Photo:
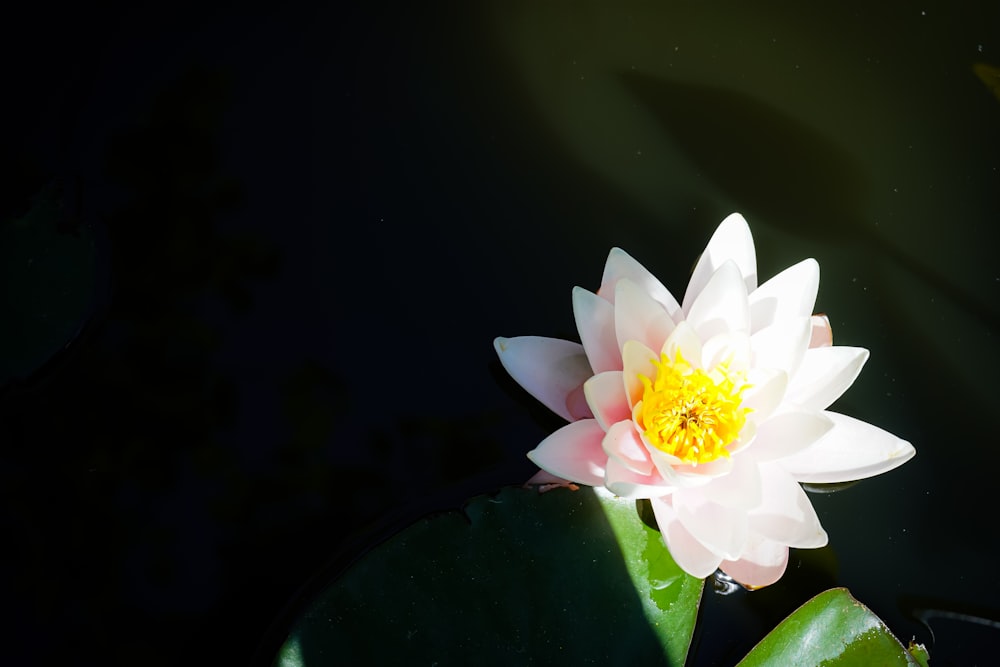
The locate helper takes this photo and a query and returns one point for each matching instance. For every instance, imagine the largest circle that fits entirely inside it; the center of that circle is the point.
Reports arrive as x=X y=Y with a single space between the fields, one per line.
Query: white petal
x=729 y=348
x=721 y=307
x=595 y=320
x=766 y=391
x=573 y=452
x=640 y=317
x=740 y=488
x=622 y=444
x=852 y=450
x=723 y=530
x=683 y=339
x=732 y=241
x=637 y=360
x=785 y=514
x=762 y=564
x=782 y=345
x=549 y=369
x=621 y=265
x=824 y=374
x=791 y=293
x=606 y=398
x=789 y=433
x=629 y=484
x=693 y=557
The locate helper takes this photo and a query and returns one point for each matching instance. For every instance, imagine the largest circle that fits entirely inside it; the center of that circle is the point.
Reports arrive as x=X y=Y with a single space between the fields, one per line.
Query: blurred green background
x=254 y=258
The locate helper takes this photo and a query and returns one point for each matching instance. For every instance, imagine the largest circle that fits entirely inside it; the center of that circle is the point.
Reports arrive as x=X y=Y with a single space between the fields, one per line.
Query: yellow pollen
x=689 y=413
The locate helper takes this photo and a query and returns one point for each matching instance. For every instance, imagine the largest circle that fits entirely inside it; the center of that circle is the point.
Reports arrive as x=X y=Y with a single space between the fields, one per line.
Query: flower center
x=689 y=413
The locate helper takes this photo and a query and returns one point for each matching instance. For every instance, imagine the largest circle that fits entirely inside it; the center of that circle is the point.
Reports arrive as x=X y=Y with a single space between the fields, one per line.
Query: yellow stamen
x=689 y=413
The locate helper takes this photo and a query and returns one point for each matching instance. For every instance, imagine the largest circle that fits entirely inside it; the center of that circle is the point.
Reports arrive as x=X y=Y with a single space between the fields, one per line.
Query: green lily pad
x=832 y=629
x=518 y=577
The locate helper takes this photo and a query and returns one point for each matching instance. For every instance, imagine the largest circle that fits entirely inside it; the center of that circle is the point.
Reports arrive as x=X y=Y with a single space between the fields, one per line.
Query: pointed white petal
x=740 y=488
x=621 y=265
x=573 y=452
x=785 y=513
x=549 y=369
x=693 y=557
x=723 y=530
x=762 y=564
x=622 y=444
x=732 y=241
x=824 y=374
x=767 y=389
x=788 y=433
x=730 y=348
x=791 y=293
x=683 y=339
x=639 y=317
x=606 y=398
x=629 y=484
x=721 y=307
x=822 y=331
x=595 y=320
x=852 y=450
x=781 y=345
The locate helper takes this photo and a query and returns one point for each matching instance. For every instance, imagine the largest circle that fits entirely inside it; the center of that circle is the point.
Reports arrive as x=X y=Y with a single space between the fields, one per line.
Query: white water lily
x=713 y=408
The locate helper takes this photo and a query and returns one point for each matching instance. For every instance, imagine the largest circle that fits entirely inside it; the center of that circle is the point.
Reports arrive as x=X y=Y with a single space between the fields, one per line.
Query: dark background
x=255 y=258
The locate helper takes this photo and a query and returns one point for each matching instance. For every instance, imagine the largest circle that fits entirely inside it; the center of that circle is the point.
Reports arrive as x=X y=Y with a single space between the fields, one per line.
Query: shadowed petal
x=721 y=307
x=762 y=564
x=637 y=360
x=606 y=397
x=791 y=293
x=852 y=450
x=789 y=433
x=621 y=265
x=822 y=332
x=732 y=241
x=693 y=557
x=782 y=345
x=574 y=453
x=549 y=369
x=629 y=484
x=723 y=530
x=595 y=320
x=824 y=374
x=639 y=317
x=785 y=513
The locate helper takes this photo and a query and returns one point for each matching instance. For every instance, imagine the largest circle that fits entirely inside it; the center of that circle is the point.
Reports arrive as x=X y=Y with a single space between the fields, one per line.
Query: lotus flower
x=713 y=408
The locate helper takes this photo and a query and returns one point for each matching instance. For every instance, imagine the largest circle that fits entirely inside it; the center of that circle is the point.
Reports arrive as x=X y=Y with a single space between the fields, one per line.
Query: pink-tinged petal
x=721 y=307
x=622 y=444
x=764 y=562
x=639 y=317
x=574 y=453
x=576 y=404
x=683 y=339
x=789 y=433
x=693 y=557
x=723 y=530
x=638 y=360
x=620 y=265
x=822 y=331
x=732 y=241
x=766 y=391
x=595 y=320
x=606 y=398
x=791 y=293
x=631 y=485
x=785 y=514
x=782 y=345
x=740 y=488
x=824 y=374
x=542 y=478
x=549 y=369
x=852 y=450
